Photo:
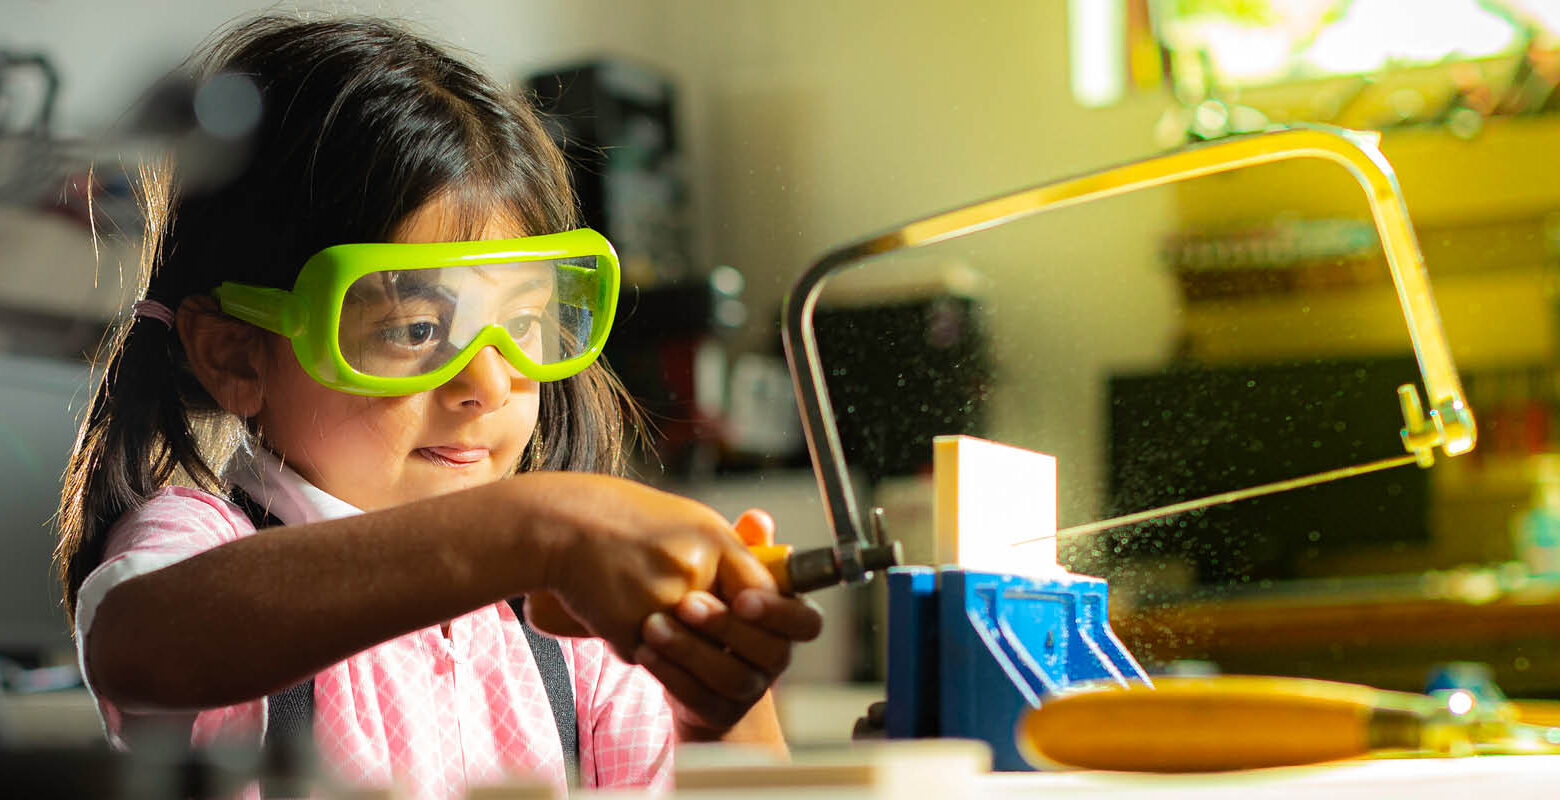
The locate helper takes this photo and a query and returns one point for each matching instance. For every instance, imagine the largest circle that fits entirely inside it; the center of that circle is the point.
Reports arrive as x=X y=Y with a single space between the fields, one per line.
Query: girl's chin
x=415 y=488
x=421 y=479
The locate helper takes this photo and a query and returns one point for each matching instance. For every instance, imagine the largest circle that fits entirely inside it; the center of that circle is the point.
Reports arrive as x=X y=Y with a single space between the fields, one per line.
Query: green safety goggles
x=397 y=319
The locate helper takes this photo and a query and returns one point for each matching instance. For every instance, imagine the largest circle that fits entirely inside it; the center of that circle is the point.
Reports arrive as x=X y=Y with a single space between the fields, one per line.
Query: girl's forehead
x=447 y=219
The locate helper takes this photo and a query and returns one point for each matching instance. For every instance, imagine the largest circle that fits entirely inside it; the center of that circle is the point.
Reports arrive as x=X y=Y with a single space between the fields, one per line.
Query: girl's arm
x=250 y=617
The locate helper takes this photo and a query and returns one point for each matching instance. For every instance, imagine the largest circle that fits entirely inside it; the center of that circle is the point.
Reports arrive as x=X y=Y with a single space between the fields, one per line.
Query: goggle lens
x=411 y=322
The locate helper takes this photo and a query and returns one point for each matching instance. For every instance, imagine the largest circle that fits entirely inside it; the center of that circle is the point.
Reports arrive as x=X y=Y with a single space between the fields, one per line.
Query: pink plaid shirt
x=431 y=713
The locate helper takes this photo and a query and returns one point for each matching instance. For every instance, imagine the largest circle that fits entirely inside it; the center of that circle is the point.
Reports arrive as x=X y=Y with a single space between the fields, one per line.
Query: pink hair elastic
x=151 y=309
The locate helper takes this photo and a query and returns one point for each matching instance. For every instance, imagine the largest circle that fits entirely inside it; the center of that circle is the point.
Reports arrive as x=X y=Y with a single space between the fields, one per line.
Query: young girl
x=387 y=311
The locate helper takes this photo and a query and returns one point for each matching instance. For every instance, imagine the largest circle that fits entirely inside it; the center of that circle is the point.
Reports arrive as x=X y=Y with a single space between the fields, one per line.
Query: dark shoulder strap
x=290 y=713
x=560 y=688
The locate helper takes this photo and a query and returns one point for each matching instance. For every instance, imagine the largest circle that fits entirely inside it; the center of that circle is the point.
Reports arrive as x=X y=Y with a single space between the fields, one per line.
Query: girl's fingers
x=739 y=570
x=718 y=671
x=709 y=709
x=795 y=618
x=710 y=617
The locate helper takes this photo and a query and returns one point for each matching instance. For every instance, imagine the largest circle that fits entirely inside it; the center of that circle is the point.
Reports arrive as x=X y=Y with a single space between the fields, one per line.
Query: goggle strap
x=275 y=310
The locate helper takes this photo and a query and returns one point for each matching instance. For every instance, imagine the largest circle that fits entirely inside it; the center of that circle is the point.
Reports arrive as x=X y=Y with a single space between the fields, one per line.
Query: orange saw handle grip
x=776 y=558
x=1218 y=723
x=757 y=530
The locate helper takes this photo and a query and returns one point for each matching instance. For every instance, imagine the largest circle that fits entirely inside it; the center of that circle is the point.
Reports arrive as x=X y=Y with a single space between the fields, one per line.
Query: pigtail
x=137 y=434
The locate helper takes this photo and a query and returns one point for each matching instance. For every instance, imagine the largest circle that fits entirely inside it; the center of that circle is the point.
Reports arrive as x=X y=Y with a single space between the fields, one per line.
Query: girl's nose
x=484 y=385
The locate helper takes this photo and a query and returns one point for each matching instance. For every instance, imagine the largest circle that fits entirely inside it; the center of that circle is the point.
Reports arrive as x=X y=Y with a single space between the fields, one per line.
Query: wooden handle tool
x=1228 y=723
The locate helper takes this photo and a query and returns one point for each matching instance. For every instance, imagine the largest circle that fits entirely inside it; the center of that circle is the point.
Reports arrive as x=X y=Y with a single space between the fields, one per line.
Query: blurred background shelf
x=1507 y=171
x=1496 y=319
x=1382 y=632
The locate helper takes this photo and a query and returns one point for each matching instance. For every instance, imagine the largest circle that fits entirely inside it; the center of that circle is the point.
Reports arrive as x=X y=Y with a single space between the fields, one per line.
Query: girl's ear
x=226 y=355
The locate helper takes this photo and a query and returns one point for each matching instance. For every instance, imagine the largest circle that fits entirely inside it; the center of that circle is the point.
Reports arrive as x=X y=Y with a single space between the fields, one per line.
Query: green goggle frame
x=310 y=314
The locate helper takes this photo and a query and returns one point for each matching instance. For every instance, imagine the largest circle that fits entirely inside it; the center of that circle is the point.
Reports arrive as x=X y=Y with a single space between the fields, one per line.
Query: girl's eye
x=524 y=324
x=412 y=334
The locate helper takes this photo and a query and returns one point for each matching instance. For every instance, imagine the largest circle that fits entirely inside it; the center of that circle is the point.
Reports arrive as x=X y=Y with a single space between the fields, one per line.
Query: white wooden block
x=990 y=496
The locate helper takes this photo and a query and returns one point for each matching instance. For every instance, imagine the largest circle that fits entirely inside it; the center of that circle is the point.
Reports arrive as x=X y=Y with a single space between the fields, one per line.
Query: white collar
x=279 y=489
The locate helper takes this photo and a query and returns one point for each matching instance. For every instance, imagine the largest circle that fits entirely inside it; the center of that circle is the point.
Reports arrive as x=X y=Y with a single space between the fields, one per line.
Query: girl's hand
x=615 y=552
x=717 y=661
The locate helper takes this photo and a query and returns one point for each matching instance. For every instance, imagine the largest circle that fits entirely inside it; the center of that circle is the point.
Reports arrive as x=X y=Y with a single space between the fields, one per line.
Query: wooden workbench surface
x=1488 y=778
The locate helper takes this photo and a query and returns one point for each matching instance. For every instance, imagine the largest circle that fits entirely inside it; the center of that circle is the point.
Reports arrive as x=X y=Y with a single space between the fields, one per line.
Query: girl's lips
x=454 y=456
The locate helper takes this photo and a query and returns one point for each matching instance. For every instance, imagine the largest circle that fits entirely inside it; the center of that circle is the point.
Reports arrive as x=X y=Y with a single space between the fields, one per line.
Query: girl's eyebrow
x=389 y=288
x=427 y=291
x=542 y=279
x=529 y=286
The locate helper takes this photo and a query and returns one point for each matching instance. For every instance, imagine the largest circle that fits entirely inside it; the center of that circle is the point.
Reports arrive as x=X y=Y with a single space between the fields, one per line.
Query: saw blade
x=1230 y=497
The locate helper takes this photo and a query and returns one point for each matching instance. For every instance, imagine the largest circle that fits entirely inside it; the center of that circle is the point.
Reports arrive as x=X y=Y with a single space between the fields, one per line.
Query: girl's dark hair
x=362 y=123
